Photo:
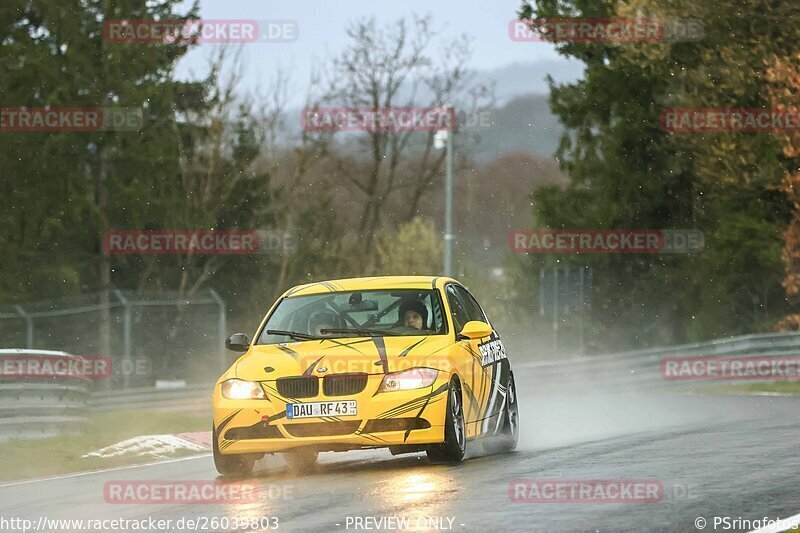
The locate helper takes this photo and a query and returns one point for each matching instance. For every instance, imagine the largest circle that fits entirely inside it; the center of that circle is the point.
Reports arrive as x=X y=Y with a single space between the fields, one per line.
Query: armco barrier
x=36 y=407
x=31 y=409
x=190 y=398
x=640 y=369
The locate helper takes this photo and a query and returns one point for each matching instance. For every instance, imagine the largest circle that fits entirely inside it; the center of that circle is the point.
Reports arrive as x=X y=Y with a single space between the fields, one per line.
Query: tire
x=506 y=439
x=240 y=465
x=301 y=461
x=454 y=447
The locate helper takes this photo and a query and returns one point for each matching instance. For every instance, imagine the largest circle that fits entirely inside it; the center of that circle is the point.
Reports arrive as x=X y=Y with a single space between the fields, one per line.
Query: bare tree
x=389 y=67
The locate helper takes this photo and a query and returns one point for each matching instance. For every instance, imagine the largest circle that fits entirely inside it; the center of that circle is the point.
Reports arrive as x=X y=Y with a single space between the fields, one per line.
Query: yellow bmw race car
x=409 y=363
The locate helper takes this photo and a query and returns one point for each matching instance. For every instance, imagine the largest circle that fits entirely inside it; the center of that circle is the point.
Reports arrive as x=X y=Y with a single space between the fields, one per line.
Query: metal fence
x=149 y=335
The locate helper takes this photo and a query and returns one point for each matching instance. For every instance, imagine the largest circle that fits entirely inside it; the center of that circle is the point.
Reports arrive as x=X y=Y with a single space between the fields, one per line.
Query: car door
x=475 y=383
x=494 y=364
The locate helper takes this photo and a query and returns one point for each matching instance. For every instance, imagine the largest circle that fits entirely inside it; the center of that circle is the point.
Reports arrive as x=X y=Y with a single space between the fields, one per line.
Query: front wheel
x=454 y=447
x=239 y=465
x=507 y=437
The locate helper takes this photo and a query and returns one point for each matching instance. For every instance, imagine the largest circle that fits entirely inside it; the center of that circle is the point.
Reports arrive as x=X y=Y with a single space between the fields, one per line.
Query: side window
x=457 y=307
x=474 y=311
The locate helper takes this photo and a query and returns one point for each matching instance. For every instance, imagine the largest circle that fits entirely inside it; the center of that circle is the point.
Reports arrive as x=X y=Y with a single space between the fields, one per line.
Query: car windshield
x=375 y=313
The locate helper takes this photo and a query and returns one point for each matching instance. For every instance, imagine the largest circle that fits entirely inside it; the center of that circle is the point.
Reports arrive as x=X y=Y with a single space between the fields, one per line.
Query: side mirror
x=475 y=329
x=238 y=342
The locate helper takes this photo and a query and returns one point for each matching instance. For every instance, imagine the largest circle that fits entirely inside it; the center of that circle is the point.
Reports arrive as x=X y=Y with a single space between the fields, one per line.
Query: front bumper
x=399 y=418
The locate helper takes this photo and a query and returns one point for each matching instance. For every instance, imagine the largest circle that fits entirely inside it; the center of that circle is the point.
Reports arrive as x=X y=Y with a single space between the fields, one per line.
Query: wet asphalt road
x=735 y=456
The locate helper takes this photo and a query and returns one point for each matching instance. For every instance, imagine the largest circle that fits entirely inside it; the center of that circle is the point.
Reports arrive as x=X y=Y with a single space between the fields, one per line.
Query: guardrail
x=189 y=398
x=640 y=369
x=36 y=406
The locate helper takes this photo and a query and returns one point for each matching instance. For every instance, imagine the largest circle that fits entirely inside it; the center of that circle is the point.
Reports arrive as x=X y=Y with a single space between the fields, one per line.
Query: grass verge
x=25 y=459
x=783 y=387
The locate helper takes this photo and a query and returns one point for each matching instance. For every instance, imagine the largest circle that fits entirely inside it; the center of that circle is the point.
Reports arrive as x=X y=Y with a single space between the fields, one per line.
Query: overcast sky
x=321 y=33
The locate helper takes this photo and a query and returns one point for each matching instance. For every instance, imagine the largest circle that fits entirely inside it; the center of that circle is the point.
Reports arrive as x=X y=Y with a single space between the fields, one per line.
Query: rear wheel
x=231 y=465
x=454 y=447
x=506 y=439
x=301 y=461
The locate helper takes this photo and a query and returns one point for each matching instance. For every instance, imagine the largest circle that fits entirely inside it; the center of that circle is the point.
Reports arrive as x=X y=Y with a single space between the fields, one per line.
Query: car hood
x=371 y=355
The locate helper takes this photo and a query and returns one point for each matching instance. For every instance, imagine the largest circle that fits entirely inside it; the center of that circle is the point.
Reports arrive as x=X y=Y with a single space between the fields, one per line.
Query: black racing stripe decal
x=226 y=422
x=473 y=401
x=405 y=408
x=328 y=285
x=276 y=416
x=346 y=345
x=433 y=283
x=307 y=286
x=405 y=352
x=414 y=403
x=475 y=355
x=368 y=436
x=491 y=391
x=312 y=366
x=296 y=290
x=419 y=415
x=446 y=346
x=415 y=406
x=475 y=405
x=476 y=368
x=381 y=346
x=483 y=389
x=289 y=351
x=225 y=443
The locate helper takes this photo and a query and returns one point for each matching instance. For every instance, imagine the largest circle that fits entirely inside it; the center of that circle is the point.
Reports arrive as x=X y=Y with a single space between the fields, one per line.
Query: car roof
x=370 y=283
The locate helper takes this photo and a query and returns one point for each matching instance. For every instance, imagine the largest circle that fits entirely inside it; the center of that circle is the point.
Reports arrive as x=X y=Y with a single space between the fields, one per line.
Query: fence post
x=126 y=339
x=222 y=326
x=28 y=326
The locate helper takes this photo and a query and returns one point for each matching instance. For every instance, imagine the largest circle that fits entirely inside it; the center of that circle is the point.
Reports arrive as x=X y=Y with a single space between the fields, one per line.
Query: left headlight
x=238 y=389
x=413 y=378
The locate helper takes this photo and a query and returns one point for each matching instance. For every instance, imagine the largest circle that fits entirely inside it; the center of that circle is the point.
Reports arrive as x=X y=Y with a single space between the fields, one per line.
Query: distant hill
x=521 y=120
x=524 y=124
x=521 y=79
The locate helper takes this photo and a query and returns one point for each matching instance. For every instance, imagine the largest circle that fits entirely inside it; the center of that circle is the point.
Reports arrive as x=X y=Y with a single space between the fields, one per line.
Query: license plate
x=314 y=409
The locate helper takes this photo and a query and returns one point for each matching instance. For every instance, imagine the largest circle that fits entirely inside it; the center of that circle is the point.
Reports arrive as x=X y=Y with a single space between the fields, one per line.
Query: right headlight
x=413 y=378
x=239 y=389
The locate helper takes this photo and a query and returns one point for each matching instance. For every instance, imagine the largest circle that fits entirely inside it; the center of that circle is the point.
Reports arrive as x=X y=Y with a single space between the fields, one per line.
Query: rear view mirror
x=238 y=342
x=363 y=305
x=475 y=329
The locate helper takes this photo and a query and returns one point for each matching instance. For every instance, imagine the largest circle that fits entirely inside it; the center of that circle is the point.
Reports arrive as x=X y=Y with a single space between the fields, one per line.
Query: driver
x=413 y=314
x=320 y=321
